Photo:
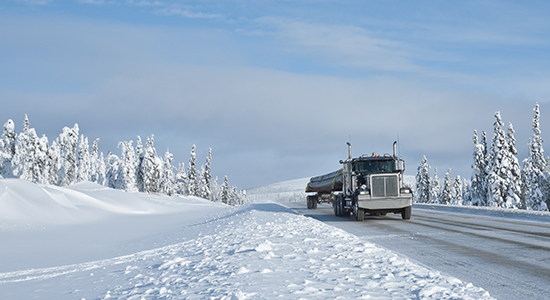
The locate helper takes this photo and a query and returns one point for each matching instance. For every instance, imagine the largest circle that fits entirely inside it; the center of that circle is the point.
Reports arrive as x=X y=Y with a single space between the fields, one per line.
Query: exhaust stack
x=395 y=149
x=349 y=150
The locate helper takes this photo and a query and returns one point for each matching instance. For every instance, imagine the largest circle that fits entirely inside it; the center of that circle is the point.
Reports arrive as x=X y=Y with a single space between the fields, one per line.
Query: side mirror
x=341 y=162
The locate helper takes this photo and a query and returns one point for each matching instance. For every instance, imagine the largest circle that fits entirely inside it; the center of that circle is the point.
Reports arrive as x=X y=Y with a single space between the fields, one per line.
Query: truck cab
x=368 y=184
x=373 y=184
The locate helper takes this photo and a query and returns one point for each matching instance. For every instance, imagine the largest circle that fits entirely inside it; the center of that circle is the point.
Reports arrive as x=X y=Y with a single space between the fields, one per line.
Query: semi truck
x=370 y=184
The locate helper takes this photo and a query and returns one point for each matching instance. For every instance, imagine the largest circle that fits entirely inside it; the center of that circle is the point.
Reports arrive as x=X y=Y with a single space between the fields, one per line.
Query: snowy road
x=509 y=258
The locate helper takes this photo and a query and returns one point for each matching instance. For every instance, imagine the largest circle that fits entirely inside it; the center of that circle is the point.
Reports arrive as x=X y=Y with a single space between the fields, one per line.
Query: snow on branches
x=69 y=160
x=497 y=178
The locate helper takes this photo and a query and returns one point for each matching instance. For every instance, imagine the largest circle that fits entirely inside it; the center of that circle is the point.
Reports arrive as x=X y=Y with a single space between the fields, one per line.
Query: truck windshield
x=374 y=166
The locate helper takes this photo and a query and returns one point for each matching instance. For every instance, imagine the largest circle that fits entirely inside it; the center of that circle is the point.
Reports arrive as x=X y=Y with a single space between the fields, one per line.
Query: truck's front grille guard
x=385 y=186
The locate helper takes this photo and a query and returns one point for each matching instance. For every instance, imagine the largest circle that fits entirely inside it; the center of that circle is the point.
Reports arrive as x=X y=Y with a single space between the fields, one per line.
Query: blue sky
x=276 y=88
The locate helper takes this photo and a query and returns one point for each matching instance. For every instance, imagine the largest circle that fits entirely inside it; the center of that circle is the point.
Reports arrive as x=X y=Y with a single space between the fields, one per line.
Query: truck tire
x=335 y=206
x=339 y=206
x=358 y=212
x=314 y=202
x=406 y=213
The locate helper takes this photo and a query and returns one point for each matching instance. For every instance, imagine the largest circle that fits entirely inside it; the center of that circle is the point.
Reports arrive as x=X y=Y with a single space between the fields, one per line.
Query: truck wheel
x=358 y=212
x=339 y=204
x=406 y=213
x=308 y=202
x=335 y=206
x=314 y=203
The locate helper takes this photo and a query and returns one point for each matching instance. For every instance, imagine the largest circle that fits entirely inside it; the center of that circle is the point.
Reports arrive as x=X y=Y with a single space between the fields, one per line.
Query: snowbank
x=260 y=250
x=25 y=202
x=541 y=216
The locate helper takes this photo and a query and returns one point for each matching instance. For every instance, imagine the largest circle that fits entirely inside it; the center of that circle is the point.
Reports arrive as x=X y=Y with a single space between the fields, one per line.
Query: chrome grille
x=385 y=186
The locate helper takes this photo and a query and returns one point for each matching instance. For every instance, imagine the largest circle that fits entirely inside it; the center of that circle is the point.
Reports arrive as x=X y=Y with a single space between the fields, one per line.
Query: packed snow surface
x=158 y=247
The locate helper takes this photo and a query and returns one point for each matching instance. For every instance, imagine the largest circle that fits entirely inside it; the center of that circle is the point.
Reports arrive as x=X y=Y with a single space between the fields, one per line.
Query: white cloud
x=348 y=46
x=95 y=2
x=187 y=13
x=34 y=2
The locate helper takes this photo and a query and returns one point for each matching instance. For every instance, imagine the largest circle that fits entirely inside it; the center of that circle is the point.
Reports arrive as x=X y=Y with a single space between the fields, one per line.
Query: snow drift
x=153 y=247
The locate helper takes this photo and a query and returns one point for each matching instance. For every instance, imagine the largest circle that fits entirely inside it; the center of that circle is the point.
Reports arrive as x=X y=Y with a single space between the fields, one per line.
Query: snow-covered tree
x=434 y=188
x=8 y=149
x=112 y=165
x=52 y=162
x=535 y=183
x=29 y=162
x=167 y=179
x=192 y=176
x=139 y=165
x=446 y=196
x=478 y=189
x=498 y=168
x=83 y=160
x=94 y=161
x=181 y=180
x=150 y=167
x=101 y=170
x=457 y=191
x=206 y=188
x=467 y=197
x=422 y=191
x=225 y=193
x=215 y=190
x=68 y=142
x=513 y=197
x=41 y=160
x=127 y=169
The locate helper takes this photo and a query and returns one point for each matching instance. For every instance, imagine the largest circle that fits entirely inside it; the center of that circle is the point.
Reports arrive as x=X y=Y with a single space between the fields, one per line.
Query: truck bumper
x=385 y=203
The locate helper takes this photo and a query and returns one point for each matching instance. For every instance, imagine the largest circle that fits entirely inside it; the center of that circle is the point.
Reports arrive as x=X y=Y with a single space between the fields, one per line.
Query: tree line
x=497 y=179
x=70 y=159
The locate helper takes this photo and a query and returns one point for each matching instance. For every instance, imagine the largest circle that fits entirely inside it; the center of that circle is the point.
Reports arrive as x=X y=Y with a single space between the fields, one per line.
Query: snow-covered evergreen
x=94 y=161
x=150 y=167
x=513 y=197
x=446 y=196
x=68 y=142
x=83 y=160
x=69 y=159
x=128 y=165
x=225 y=192
x=139 y=165
x=167 y=179
x=434 y=192
x=206 y=188
x=535 y=192
x=478 y=188
x=501 y=180
x=422 y=192
x=112 y=172
x=192 y=176
x=181 y=180
x=53 y=163
x=8 y=149
x=458 y=196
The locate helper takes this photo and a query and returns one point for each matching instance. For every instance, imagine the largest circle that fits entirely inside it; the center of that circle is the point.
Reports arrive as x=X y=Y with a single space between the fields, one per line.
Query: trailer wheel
x=335 y=206
x=406 y=213
x=314 y=202
x=358 y=212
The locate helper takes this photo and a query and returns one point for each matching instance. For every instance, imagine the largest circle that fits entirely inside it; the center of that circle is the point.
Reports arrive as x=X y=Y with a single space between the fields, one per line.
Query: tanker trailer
x=368 y=184
x=323 y=186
